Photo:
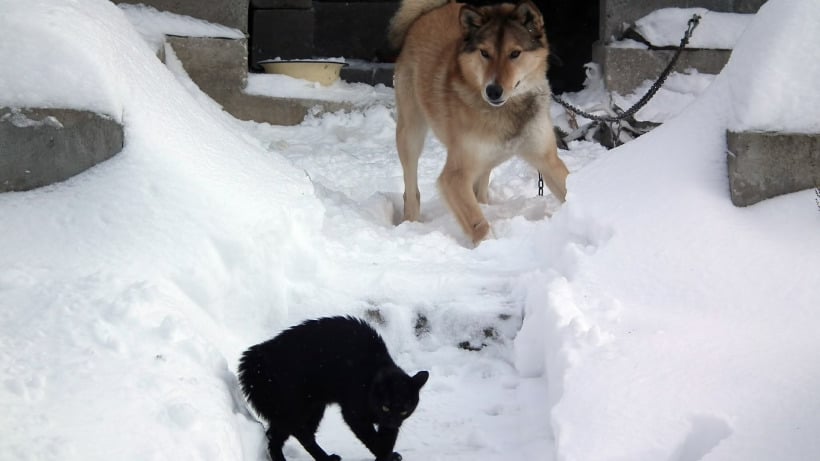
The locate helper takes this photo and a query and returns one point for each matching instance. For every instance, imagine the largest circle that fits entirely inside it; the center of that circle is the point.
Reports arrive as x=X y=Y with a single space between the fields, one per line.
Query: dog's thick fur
x=477 y=78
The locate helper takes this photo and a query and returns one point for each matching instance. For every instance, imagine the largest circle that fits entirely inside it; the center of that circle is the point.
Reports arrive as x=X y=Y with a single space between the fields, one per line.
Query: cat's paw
x=391 y=457
x=333 y=458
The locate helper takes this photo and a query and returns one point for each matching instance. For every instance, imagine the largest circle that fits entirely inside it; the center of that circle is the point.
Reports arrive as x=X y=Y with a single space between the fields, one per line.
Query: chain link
x=645 y=99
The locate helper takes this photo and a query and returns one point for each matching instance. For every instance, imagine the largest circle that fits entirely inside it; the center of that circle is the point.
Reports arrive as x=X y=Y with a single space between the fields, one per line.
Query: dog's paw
x=391 y=457
x=333 y=458
x=480 y=231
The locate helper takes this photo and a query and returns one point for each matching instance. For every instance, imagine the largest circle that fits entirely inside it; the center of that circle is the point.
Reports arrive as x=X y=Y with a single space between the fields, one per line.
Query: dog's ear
x=471 y=20
x=528 y=15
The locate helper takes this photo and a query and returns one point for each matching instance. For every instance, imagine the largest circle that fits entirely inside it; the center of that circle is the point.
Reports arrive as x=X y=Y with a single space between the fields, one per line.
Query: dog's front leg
x=481 y=188
x=456 y=185
x=552 y=168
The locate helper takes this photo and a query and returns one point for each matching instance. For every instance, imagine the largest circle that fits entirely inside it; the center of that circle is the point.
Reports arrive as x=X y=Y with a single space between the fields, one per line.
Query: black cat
x=290 y=379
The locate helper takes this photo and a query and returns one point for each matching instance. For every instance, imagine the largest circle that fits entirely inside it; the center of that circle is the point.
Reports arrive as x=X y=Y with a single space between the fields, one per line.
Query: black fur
x=290 y=379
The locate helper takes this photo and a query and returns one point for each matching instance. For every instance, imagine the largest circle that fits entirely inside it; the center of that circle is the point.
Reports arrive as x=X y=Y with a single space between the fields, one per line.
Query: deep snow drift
x=645 y=319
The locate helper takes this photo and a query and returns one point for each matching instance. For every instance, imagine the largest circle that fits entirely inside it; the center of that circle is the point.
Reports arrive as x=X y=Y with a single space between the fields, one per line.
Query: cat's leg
x=387 y=441
x=276 y=439
x=363 y=430
x=306 y=435
x=379 y=443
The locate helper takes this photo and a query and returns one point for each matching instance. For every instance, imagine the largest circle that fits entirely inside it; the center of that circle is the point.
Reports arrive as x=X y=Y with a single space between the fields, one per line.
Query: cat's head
x=394 y=396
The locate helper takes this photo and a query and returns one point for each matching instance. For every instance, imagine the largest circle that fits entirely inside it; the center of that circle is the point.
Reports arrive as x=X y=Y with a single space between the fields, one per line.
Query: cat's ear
x=420 y=378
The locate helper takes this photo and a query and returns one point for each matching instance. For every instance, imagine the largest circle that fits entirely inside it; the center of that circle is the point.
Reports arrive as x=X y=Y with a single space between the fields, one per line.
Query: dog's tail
x=408 y=12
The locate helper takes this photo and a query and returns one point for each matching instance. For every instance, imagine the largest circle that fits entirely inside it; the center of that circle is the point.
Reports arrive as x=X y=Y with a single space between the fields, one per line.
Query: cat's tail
x=248 y=373
x=408 y=12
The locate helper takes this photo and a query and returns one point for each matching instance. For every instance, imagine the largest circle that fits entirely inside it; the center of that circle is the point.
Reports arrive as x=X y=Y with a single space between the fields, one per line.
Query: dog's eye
x=404 y=413
x=484 y=54
x=385 y=409
x=515 y=54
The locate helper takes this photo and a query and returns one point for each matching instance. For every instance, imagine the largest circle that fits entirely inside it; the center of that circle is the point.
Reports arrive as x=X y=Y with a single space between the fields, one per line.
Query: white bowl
x=323 y=72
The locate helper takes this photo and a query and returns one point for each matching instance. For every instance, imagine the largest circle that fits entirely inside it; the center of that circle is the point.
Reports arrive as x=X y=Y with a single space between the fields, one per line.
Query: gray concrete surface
x=765 y=165
x=625 y=68
x=39 y=147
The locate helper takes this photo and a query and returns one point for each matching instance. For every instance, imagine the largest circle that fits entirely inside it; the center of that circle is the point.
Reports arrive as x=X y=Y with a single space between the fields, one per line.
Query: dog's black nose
x=494 y=92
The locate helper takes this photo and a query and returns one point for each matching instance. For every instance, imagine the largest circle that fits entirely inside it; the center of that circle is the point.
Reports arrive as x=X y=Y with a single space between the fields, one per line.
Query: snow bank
x=154 y=25
x=665 y=27
x=129 y=289
x=773 y=71
x=672 y=325
x=64 y=62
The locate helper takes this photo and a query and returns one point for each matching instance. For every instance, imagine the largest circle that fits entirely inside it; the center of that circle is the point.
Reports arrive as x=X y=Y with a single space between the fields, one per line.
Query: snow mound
x=773 y=71
x=665 y=27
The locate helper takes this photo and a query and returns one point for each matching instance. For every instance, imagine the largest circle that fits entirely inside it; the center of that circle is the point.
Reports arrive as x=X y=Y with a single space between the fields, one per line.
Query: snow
x=644 y=319
x=283 y=86
x=154 y=25
x=790 y=68
x=665 y=27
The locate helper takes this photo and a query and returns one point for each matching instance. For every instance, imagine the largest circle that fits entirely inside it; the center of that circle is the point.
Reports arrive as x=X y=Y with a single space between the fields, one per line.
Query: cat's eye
x=385 y=409
x=404 y=413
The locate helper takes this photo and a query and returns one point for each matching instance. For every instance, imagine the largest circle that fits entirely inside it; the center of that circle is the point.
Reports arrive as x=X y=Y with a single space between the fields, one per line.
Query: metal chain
x=654 y=89
x=693 y=22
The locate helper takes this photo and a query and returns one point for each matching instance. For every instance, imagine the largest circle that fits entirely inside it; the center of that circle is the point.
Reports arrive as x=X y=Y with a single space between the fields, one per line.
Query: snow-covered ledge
x=631 y=56
x=773 y=135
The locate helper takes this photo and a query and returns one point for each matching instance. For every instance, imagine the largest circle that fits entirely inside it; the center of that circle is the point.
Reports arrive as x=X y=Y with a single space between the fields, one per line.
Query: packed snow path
x=464 y=304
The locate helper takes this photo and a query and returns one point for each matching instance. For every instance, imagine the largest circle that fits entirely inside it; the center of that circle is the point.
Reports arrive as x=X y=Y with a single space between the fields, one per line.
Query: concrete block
x=218 y=66
x=764 y=165
x=626 y=68
x=39 y=147
x=231 y=13
x=279 y=111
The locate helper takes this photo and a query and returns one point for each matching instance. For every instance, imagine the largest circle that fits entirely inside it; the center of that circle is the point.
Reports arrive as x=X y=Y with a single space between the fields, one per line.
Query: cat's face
x=394 y=396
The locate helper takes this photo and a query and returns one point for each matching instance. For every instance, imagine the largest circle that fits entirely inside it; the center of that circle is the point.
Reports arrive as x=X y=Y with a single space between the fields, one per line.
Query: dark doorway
x=572 y=28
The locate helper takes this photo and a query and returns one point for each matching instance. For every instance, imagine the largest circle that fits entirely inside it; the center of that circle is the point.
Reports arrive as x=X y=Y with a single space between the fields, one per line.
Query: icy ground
x=646 y=319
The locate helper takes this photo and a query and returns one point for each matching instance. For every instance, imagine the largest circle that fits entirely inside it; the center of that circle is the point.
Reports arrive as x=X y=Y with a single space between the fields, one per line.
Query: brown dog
x=477 y=78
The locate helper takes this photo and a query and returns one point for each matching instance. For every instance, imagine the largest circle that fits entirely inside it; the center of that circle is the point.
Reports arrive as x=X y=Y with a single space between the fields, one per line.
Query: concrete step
x=39 y=147
x=219 y=67
x=765 y=165
x=624 y=69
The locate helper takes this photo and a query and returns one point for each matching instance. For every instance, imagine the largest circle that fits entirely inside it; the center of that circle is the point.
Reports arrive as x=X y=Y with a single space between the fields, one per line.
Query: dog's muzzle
x=494 y=94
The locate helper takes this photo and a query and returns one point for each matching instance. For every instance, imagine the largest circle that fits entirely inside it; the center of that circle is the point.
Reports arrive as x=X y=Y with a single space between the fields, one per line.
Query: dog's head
x=505 y=49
